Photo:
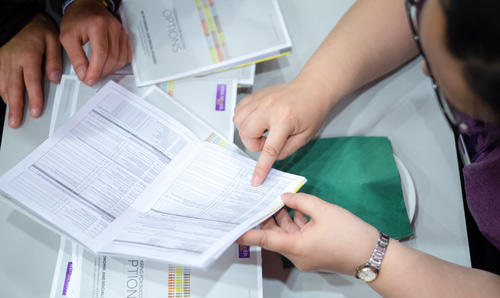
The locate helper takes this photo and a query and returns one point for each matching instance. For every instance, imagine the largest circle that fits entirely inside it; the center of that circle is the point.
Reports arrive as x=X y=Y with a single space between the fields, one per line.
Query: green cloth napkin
x=357 y=173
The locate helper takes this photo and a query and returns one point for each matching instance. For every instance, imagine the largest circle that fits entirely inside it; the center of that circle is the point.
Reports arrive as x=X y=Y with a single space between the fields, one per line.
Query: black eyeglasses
x=453 y=116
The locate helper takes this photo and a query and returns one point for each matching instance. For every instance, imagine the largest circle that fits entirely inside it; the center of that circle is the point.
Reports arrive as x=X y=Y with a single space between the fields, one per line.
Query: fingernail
x=34 y=112
x=55 y=76
x=90 y=82
x=256 y=181
x=12 y=120
x=80 y=72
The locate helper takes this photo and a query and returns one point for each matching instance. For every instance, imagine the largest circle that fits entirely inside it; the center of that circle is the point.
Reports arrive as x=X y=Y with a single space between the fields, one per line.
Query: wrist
x=325 y=93
x=357 y=248
x=370 y=270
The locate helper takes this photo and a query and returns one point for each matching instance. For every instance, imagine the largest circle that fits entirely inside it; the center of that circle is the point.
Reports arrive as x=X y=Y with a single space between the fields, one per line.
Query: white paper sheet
x=172 y=39
x=111 y=162
x=237 y=273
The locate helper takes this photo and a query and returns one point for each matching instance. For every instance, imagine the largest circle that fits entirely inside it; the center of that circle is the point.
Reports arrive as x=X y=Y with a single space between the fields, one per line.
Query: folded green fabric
x=357 y=173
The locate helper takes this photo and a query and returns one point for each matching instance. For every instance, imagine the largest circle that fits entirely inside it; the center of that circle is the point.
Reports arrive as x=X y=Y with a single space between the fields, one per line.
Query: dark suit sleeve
x=57 y=6
x=15 y=14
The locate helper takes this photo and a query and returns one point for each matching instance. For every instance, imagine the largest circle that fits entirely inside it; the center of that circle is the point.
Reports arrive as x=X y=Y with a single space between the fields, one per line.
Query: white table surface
x=401 y=107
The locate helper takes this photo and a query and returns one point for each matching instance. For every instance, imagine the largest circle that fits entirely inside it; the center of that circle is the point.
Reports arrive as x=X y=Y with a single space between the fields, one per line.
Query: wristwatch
x=368 y=272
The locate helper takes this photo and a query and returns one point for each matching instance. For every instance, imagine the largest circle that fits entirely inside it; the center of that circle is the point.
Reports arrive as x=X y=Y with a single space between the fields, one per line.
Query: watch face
x=367 y=274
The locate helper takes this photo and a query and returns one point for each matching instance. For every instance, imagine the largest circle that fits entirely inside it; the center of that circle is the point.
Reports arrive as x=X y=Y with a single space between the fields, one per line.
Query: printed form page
x=121 y=164
x=94 y=173
x=208 y=206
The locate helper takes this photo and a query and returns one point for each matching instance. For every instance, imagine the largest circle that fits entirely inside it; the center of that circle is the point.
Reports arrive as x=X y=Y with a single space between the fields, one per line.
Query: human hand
x=21 y=62
x=290 y=113
x=333 y=240
x=89 y=20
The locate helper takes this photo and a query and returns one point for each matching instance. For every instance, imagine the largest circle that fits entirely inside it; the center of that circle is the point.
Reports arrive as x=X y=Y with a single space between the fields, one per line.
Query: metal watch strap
x=379 y=251
x=375 y=261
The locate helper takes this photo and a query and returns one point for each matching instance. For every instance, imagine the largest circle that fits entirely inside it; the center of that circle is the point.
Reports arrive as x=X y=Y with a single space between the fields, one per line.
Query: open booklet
x=124 y=178
x=172 y=39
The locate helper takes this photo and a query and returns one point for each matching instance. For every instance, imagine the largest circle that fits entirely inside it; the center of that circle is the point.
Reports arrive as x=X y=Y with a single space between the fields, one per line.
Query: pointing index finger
x=273 y=144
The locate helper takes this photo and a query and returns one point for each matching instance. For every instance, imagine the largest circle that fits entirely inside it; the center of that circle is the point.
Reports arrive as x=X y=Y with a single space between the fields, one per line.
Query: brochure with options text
x=172 y=39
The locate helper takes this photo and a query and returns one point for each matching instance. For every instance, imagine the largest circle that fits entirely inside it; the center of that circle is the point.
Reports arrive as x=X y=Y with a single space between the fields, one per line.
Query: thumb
x=268 y=239
x=306 y=204
x=76 y=55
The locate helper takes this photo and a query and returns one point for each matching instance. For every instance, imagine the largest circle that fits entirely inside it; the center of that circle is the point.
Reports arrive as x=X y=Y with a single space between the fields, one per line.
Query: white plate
x=408 y=187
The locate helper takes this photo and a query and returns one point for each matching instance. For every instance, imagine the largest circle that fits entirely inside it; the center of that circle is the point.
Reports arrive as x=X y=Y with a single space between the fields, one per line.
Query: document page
x=172 y=39
x=212 y=100
x=200 y=128
x=244 y=74
x=95 y=172
x=208 y=206
x=122 y=177
x=71 y=94
x=82 y=274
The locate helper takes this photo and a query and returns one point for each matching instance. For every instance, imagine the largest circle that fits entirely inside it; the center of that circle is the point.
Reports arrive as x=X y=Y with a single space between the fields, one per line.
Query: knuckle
x=114 y=54
x=263 y=242
x=286 y=114
x=245 y=134
x=65 y=36
x=51 y=37
x=273 y=100
x=111 y=60
x=252 y=145
x=115 y=26
x=261 y=169
x=26 y=56
x=15 y=103
x=99 y=21
x=122 y=60
x=237 y=120
x=270 y=150
x=32 y=79
x=100 y=49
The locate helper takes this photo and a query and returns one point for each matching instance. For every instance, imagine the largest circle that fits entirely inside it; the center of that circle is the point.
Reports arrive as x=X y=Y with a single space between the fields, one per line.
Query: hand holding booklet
x=124 y=178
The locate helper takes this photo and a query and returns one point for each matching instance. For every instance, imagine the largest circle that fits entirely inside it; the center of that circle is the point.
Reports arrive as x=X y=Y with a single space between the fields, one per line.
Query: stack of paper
x=173 y=39
x=237 y=270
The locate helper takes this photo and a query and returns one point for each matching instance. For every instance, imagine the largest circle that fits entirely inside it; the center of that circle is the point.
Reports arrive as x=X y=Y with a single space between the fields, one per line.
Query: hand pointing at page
x=286 y=113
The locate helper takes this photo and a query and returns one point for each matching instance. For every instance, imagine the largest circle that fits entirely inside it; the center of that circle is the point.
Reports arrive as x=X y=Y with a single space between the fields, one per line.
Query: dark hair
x=473 y=33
